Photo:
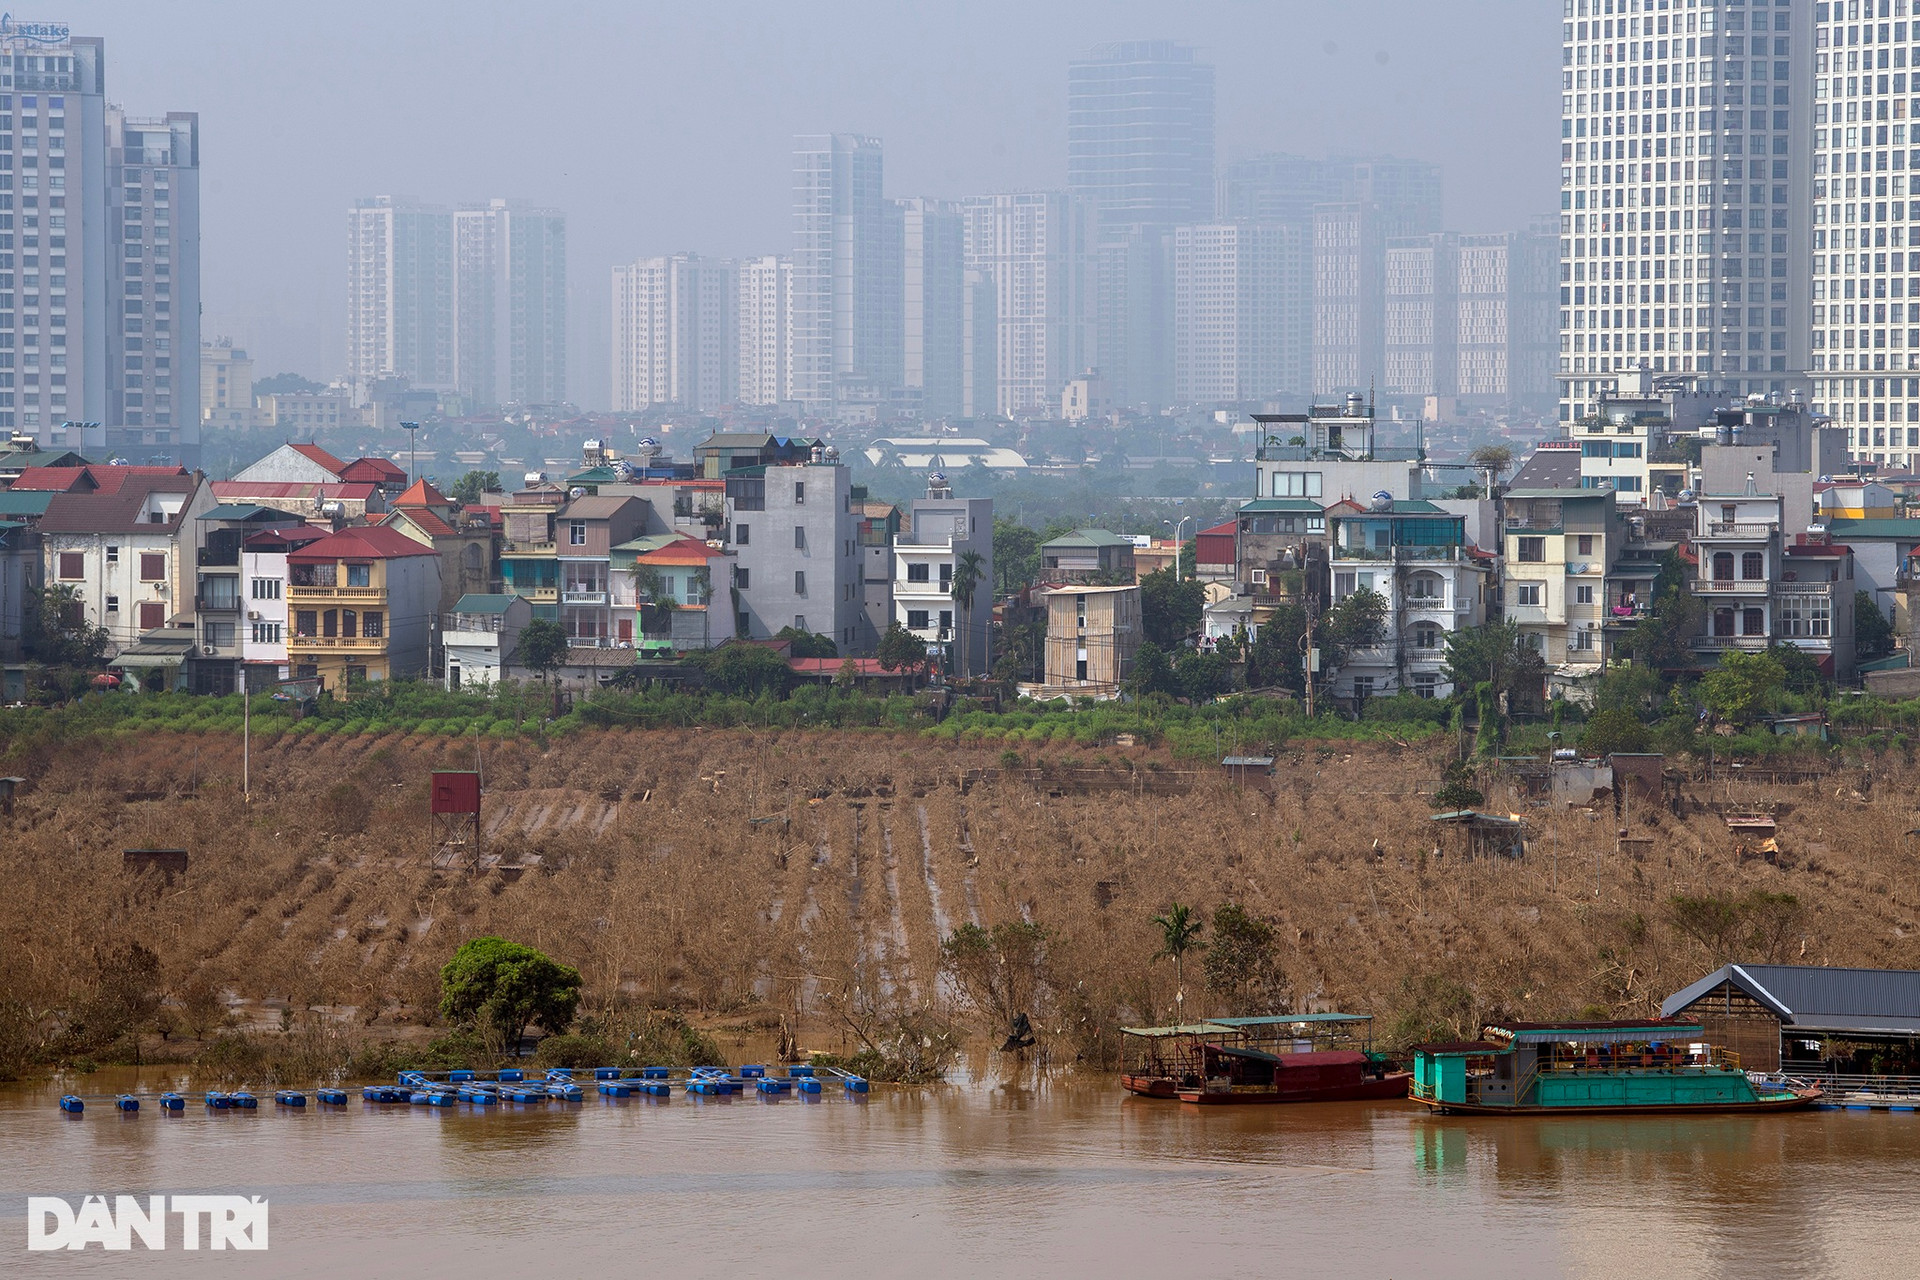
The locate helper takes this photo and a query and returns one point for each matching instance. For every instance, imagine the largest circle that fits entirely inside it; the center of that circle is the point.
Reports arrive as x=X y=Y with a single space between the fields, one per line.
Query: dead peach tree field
x=808 y=879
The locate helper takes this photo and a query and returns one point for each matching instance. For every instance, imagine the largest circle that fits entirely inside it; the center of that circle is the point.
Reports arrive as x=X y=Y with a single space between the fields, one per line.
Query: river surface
x=1061 y=1177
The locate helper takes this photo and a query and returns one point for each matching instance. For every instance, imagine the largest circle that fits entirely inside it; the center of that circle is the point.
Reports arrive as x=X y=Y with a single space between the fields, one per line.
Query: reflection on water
x=1030 y=1175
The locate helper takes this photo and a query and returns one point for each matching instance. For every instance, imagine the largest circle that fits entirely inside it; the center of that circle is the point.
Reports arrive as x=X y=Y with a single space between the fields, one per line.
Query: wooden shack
x=1483 y=835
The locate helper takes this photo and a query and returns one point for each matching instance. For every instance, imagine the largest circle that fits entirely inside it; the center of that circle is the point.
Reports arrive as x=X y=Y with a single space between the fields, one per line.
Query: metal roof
x=1872 y=1001
x=1593 y=1032
x=1868 y=530
x=1288 y=1019
x=474 y=603
x=1562 y=495
x=1089 y=538
x=1298 y=505
x=1184 y=1029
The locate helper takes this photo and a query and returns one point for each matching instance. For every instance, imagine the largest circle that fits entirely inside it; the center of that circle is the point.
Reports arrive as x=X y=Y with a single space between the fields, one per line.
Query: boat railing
x=1839 y=1082
x=1606 y=1064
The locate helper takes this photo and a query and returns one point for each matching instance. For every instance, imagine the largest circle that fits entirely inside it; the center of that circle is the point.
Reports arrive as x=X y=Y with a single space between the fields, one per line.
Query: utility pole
x=412 y=429
x=246 y=740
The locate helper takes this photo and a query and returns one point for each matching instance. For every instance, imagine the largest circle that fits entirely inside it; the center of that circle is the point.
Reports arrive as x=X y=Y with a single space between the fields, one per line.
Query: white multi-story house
x=1762 y=586
x=941 y=529
x=1415 y=556
x=1558 y=545
x=791 y=527
x=263 y=591
x=127 y=551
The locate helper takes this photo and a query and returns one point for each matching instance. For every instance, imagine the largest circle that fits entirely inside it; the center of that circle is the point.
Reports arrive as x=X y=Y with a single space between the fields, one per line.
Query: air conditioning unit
x=208 y=649
x=160 y=588
x=253 y=615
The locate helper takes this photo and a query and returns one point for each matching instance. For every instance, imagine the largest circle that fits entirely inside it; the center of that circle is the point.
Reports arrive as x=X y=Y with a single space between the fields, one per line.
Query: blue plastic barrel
x=218 y=1100
x=172 y=1102
x=658 y=1089
x=290 y=1098
x=799 y=1069
x=856 y=1084
x=807 y=1084
x=752 y=1072
x=332 y=1097
x=614 y=1089
x=126 y=1102
x=606 y=1073
x=564 y=1091
x=560 y=1073
x=511 y=1073
x=655 y=1073
x=72 y=1104
x=245 y=1101
x=481 y=1097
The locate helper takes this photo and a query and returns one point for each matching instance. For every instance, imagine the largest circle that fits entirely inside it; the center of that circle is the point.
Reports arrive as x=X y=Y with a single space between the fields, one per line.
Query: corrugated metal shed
x=1810 y=998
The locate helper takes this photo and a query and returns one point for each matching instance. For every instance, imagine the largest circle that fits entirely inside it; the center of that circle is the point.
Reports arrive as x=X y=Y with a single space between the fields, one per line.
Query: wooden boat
x=1252 y=1061
x=1649 y=1067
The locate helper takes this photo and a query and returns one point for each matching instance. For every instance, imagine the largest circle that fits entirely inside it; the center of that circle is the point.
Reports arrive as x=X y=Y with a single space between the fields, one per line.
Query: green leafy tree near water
x=506 y=987
x=543 y=647
x=899 y=648
x=1872 y=633
x=468 y=488
x=1742 y=685
x=1169 y=610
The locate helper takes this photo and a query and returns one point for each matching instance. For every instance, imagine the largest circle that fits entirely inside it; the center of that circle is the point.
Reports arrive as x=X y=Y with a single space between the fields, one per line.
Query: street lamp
x=410 y=428
x=1176 y=543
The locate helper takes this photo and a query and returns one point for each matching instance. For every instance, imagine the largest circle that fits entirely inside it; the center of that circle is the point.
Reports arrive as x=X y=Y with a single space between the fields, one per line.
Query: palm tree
x=1179 y=933
x=968 y=570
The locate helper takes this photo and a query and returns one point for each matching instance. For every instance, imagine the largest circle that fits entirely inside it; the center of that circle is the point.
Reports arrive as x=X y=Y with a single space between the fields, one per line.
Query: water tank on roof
x=593 y=446
x=1356 y=404
x=331 y=510
x=535 y=477
x=623 y=471
x=1382 y=501
x=833 y=455
x=1686 y=495
x=576 y=492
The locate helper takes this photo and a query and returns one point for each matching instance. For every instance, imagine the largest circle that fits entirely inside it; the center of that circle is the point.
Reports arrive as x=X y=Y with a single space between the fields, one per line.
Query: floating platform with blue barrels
x=512 y=1085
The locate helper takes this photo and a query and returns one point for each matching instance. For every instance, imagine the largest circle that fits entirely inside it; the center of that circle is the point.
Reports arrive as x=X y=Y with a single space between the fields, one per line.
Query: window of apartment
x=73 y=566
x=799 y=493
x=1426 y=636
x=577 y=533
x=1343 y=585
x=1296 y=484
x=113 y=555
x=1583 y=595
x=1723 y=566
x=799 y=537
x=742 y=577
x=266 y=588
x=1363 y=687
x=1723 y=622
x=153 y=566
x=743 y=624
x=372 y=625
x=1753 y=566
x=1425 y=684
x=1527 y=593
x=113 y=604
x=1424 y=586
x=946 y=619
x=1581 y=641
x=800 y=623
x=1584 y=543
x=916 y=619
x=152 y=615
x=946 y=577
x=306 y=622
x=359 y=575
x=917 y=573
x=1819 y=614
x=1753 y=622
x=266 y=633
x=800 y=582
x=1533 y=550
x=218 y=634
x=740 y=532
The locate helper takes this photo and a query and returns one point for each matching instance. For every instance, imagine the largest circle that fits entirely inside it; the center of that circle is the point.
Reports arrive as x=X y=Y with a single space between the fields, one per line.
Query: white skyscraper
x=933 y=304
x=846 y=285
x=1035 y=250
x=153 y=334
x=1240 y=314
x=510 y=304
x=764 y=286
x=399 y=293
x=675 y=325
x=1866 y=286
x=1687 y=188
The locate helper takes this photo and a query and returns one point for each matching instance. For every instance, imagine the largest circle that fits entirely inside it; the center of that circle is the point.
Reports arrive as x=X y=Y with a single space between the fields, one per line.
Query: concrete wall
x=833 y=602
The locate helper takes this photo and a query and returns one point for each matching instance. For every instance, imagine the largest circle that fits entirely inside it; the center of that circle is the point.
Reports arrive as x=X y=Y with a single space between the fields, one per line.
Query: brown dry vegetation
x=811 y=876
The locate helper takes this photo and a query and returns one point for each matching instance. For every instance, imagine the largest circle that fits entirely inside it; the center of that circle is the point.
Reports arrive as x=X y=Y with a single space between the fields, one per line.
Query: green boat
x=1585 y=1068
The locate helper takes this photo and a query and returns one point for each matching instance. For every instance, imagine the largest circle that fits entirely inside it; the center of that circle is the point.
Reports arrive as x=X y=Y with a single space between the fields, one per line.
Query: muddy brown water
x=1050 y=1177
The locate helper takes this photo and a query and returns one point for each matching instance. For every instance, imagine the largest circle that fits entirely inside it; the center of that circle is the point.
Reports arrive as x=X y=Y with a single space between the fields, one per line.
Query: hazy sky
x=659 y=128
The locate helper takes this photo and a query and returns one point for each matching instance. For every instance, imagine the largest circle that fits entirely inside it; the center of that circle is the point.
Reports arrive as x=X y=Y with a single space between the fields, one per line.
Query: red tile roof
x=684 y=551
x=314 y=453
x=833 y=667
x=421 y=493
x=224 y=489
x=116 y=512
x=372 y=471
x=362 y=542
x=425 y=519
x=104 y=478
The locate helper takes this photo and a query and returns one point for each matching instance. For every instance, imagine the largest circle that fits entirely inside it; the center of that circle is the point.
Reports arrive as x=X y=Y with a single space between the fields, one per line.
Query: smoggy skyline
x=658 y=129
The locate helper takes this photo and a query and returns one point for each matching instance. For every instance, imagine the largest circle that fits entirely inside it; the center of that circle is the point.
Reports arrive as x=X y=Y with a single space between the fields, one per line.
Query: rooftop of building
x=1089 y=538
x=362 y=542
x=118 y=511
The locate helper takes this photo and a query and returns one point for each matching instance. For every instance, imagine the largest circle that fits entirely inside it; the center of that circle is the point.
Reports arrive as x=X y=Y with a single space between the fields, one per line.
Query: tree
x=1872 y=633
x=1242 y=968
x=1492 y=457
x=1169 y=610
x=999 y=971
x=1498 y=655
x=900 y=648
x=1179 y=934
x=543 y=647
x=1152 y=672
x=657 y=604
x=1357 y=622
x=56 y=629
x=1663 y=639
x=743 y=669
x=1016 y=554
x=1611 y=731
x=1758 y=925
x=468 y=488
x=506 y=986
x=808 y=644
x=287 y=384
x=1804 y=676
x=969 y=568
x=1741 y=685
x=1202 y=677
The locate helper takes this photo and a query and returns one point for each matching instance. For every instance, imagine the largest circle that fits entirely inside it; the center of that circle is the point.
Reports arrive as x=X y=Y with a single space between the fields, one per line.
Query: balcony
x=529 y=548
x=572 y=596
x=1737 y=531
x=358 y=644
x=1397 y=555
x=937 y=589
x=216 y=603
x=538 y=595
x=215 y=557
x=337 y=595
x=1731 y=587
x=1712 y=644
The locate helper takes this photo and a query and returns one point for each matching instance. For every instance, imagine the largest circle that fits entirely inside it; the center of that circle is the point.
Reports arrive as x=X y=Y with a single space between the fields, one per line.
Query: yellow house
x=360 y=603
x=1092 y=636
x=1858 y=500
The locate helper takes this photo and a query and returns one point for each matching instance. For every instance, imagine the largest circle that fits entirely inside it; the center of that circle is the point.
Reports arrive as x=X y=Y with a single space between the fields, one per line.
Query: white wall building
x=940 y=529
x=509 y=303
x=1687 y=186
x=1240 y=313
x=1035 y=248
x=675 y=325
x=399 y=294
x=763 y=288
